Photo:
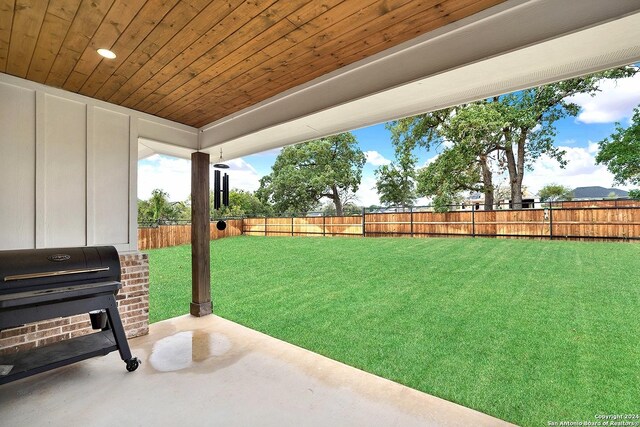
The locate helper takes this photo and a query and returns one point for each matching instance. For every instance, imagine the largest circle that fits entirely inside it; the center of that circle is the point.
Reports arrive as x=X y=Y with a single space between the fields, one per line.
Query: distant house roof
x=597 y=192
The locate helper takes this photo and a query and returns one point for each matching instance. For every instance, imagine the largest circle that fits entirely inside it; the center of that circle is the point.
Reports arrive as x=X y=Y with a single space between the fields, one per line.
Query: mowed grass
x=527 y=331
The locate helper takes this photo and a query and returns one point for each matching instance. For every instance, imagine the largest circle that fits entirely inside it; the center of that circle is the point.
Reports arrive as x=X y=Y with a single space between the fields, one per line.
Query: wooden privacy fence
x=304 y=226
x=163 y=236
x=571 y=223
x=596 y=223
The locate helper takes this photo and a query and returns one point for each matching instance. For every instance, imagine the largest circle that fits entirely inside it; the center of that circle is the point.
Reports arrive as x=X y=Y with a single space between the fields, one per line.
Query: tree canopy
x=502 y=134
x=621 y=152
x=241 y=203
x=395 y=182
x=158 y=209
x=305 y=173
x=554 y=192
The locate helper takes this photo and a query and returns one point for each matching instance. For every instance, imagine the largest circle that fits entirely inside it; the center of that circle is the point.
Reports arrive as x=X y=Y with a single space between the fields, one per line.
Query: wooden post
x=411 y=218
x=201 y=304
x=550 y=221
x=473 y=221
x=291 y=225
x=364 y=233
x=324 y=224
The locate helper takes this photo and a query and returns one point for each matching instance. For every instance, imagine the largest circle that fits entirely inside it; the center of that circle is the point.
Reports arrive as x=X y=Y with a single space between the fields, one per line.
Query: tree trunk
x=336 y=200
x=516 y=168
x=487 y=183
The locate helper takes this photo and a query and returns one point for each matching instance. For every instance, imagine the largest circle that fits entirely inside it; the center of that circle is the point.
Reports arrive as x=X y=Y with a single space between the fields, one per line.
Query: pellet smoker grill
x=41 y=284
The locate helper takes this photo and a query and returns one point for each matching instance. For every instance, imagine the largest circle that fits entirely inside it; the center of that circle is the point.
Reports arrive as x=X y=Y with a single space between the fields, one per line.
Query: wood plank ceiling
x=195 y=61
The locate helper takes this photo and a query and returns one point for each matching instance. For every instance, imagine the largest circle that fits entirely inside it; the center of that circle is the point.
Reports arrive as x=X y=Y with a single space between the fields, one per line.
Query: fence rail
x=569 y=222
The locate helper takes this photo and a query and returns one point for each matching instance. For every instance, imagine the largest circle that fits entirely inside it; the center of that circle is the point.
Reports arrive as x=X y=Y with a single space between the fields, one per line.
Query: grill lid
x=28 y=269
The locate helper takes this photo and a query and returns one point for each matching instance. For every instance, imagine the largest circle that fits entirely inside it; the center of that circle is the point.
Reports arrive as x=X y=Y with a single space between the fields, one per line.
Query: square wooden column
x=201 y=304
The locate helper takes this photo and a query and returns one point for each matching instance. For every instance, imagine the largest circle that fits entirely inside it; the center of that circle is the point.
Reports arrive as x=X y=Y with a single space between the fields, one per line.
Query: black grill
x=43 y=284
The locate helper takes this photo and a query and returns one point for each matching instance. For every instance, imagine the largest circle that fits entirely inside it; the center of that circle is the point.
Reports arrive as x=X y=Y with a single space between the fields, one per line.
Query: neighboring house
x=589 y=193
x=529 y=201
x=475 y=201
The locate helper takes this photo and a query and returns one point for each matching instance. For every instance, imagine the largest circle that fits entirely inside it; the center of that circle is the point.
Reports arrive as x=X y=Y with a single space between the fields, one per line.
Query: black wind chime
x=220 y=190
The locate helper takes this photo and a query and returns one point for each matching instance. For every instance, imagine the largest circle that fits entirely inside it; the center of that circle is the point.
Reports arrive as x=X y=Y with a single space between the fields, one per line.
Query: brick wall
x=133 y=304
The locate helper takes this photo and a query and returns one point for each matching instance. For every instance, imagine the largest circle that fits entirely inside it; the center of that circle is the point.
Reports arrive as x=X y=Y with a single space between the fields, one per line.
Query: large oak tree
x=621 y=152
x=305 y=173
x=495 y=135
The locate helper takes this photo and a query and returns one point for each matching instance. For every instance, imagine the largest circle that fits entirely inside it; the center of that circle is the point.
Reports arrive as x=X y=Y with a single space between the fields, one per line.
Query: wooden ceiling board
x=57 y=22
x=87 y=19
x=363 y=42
x=6 y=23
x=141 y=83
x=113 y=25
x=315 y=51
x=149 y=52
x=244 y=44
x=314 y=31
x=27 y=21
x=143 y=24
x=187 y=65
x=196 y=61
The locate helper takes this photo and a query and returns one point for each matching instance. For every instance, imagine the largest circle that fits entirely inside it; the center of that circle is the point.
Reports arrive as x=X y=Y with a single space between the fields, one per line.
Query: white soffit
x=148 y=147
x=512 y=46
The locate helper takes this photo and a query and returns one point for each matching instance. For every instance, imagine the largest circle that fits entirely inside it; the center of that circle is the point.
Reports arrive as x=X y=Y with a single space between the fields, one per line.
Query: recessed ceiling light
x=106 y=53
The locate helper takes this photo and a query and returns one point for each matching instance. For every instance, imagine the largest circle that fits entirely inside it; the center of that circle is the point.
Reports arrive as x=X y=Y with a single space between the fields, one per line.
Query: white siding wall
x=17 y=184
x=61 y=167
x=68 y=167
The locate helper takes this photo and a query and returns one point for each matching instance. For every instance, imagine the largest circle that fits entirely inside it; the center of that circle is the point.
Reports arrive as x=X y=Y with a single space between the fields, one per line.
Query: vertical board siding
x=68 y=166
x=109 y=172
x=17 y=184
x=65 y=165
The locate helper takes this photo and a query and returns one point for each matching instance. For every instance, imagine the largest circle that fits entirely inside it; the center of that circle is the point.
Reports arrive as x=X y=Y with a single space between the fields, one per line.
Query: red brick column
x=133 y=304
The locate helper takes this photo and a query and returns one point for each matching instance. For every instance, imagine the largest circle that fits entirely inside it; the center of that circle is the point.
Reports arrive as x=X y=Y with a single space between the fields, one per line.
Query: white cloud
x=429 y=161
x=614 y=103
x=376 y=159
x=242 y=175
x=167 y=173
x=581 y=170
x=174 y=176
x=366 y=194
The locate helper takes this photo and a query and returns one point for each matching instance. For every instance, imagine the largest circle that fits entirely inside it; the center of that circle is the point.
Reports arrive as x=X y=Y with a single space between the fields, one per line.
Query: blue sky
x=578 y=136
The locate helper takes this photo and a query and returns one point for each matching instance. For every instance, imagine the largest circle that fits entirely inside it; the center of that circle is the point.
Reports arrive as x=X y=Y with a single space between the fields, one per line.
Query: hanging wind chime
x=220 y=189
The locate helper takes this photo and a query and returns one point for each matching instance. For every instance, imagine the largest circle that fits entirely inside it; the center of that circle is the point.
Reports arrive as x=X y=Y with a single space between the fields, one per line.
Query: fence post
x=265 y=225
x=473 y=221
x=550 y=220
x=364 y=234
x=324 y=225
x=411 y=218
x=292 y=226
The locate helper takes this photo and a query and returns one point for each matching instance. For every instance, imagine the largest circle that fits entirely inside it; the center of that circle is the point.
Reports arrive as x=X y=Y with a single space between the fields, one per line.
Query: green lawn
x=527 y=331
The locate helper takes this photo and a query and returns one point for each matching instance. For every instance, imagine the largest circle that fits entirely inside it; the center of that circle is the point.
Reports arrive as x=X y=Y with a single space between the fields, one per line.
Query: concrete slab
x=210 y=371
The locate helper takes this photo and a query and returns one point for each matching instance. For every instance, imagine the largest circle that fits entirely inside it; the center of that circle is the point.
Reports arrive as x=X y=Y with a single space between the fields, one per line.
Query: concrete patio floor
x=209 y=372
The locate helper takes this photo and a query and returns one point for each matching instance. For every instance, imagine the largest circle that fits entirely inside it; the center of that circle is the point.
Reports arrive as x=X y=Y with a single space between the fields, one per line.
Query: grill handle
x=54 y=273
